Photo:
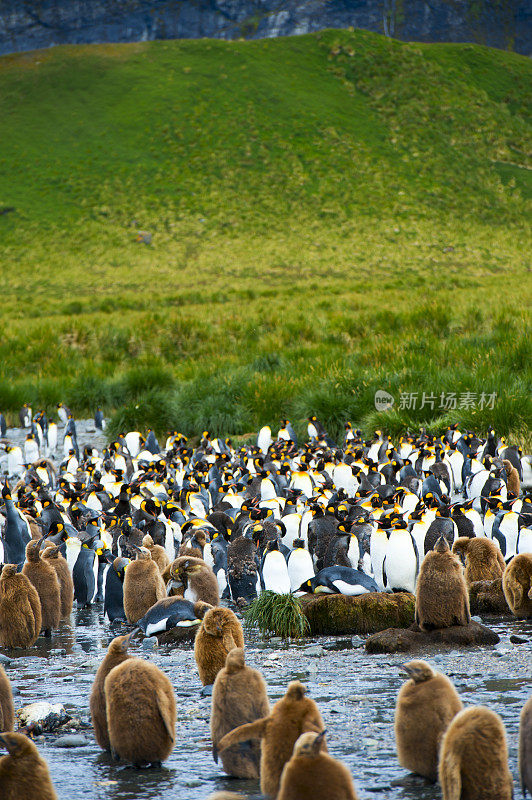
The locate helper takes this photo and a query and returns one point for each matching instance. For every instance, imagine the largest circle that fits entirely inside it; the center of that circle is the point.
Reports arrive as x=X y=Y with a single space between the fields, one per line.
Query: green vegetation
x=330 y=215
x=277 y=614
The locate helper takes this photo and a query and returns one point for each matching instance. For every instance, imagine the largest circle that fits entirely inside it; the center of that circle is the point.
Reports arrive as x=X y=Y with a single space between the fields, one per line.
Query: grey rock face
x=41 y=23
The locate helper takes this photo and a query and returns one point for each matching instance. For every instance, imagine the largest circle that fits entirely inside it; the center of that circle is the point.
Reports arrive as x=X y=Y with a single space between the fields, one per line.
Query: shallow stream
x=355 y=692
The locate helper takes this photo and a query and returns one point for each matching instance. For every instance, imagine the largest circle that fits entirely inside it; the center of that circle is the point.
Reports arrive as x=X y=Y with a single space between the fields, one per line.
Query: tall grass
x=341 y=213
x=278 y=614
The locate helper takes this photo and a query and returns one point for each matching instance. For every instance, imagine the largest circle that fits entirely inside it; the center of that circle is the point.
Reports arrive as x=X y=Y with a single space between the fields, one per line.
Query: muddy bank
x=355 y=691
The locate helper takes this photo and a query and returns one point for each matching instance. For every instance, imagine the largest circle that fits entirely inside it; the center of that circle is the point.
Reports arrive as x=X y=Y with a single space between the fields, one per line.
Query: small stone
x=517 y=639
x=77 y=648
x=315 y=651
x=150 y=643
x=312 y=668
x=477 y=619
x=4 y=659
x=71 y=740
x=276 y=640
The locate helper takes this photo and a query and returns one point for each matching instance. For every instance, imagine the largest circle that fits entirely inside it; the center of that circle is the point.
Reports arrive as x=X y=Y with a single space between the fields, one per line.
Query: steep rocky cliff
x=29 y=24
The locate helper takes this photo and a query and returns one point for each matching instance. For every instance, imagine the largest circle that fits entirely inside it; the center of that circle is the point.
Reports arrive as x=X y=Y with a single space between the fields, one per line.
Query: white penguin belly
x=350 y=589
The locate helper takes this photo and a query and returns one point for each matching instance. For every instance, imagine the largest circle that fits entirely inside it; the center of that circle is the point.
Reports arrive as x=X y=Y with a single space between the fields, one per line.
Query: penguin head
x=442 y=545
x=418 y=670
x=18 y=745
x=296 y=691
x=235 y=660
x=309 y=744
x=8 y=570
x=120 y=644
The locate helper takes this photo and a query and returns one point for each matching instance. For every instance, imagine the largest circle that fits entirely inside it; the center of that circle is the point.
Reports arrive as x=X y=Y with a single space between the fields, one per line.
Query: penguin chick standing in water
x=66 y=584
x=474 y=757
x=525 y=747
x=46 y=582
x=20 y=609
x=291 y=716
x=7 y=710
x=219 y=632
x=442 y=599
x=239 y=696
x=425 y=706
x=141 y=712
x=311 y=773
x=23 y=773
x=116 y=653
x=143 y=585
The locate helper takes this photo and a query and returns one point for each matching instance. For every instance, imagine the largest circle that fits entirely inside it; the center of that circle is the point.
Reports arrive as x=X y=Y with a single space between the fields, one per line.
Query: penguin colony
x=161 y=535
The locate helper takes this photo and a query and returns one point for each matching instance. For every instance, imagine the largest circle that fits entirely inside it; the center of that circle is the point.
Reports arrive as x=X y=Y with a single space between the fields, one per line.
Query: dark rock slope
x=31 y=24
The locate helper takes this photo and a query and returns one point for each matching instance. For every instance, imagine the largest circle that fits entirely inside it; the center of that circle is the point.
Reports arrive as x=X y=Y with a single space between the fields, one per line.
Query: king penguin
x=274 y=570
x=300 y=566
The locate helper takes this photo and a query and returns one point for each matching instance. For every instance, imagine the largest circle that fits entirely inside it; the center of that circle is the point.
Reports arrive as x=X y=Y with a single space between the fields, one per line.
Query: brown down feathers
x=291 y=716
x=220 y=631
x=239 y=696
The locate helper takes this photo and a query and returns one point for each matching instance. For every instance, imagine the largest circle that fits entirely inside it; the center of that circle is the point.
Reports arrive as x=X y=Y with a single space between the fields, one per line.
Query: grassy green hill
x=330 y=214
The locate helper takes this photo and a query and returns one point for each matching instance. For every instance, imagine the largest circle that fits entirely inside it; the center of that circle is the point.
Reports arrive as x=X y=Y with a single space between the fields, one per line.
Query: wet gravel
x=355 y=692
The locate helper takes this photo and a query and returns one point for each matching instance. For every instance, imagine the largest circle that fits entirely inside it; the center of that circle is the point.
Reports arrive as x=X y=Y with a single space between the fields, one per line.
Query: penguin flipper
x=251 y=730
x=162 y=705
x=229 y=642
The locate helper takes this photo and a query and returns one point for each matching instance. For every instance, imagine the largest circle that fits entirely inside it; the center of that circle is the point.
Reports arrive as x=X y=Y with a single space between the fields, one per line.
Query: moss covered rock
x=394 y=640
x=487 y=597
x=335 y=614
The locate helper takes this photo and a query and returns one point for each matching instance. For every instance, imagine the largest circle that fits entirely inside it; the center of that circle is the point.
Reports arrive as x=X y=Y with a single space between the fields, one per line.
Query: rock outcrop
x=32 y=24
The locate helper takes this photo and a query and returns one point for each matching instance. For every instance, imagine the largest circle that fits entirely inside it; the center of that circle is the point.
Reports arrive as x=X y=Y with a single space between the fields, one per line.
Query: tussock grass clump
x=278 y=614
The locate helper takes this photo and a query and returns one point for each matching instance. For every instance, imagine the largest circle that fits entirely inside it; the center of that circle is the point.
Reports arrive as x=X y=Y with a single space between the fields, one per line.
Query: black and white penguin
x=152 y=445
x=25 y=416
x=286 y=432
x=62 y=413
x=85 y=575
x=99 y=420
x=340 y=580
x=113 y=582
x=274 y=570
x=16 y=533
x=168 y=613
x=300 y=566
x=401 y=563
x=264 y=439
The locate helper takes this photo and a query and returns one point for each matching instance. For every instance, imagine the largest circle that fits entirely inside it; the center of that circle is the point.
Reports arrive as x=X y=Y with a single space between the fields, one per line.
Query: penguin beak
x=173 y=584
x=405 y=669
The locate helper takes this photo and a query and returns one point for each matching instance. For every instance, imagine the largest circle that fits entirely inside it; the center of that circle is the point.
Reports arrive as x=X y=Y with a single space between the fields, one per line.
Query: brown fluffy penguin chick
x=525 y=747
x=116 y=653
x=425 y=706
x=442 y=599
x=517 y=585
x=198 y=579
x=157 y=552
x=291 y=716
x=239 y=695
x=23 y=773
x=311 y=773
x=219 y=632
x=141 y=712
x=45 y=580
x=474 y=757
x=482 y=557
x=20 y=609
x=7 y=710
x=513 y=484
x=143 y=585
x=66 y=584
